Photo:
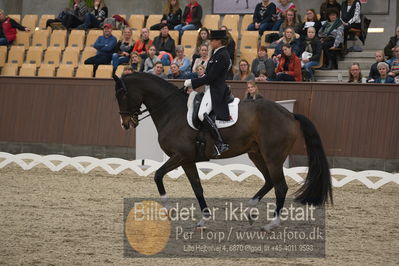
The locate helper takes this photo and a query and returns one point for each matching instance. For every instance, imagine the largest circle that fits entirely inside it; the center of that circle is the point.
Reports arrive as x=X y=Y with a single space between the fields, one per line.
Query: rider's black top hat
x=218 y=35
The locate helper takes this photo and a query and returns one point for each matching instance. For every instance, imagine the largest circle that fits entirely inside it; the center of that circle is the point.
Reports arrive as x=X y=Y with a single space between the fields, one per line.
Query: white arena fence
x=236 y=172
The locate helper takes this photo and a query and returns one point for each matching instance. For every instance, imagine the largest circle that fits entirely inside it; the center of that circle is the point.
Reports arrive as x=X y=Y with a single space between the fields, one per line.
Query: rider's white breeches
x=206 y=104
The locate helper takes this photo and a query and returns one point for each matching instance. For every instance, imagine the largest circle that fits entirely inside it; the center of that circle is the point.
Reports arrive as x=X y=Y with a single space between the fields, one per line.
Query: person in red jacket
x=8 y=29
x=289 y=66
x=143 y=44
x=191 y=19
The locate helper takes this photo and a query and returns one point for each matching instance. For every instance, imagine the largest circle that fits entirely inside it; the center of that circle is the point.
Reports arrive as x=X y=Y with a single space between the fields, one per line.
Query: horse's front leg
x=192 y=175
x=168 y=166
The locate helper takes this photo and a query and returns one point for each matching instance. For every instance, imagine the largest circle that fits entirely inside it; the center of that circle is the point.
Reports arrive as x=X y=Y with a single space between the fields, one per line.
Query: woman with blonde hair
x=96 y=17
x=123 y=48
x=291 y=20
x=289 y=37
x=244 y=71
x=143 y=44
x=203 y=59
x=171 y=15
x=135 y=62
x=202 y=39
x=252 y=91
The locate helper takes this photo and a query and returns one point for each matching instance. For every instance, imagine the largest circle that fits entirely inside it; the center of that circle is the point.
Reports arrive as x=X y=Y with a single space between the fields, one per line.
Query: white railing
x=236 y=172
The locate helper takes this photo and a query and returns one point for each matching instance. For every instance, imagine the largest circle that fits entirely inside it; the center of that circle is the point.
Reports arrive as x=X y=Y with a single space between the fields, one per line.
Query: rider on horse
x=214 y=103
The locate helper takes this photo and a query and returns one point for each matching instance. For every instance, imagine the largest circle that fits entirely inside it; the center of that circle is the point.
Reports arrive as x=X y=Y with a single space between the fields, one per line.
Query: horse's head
x=129 y=104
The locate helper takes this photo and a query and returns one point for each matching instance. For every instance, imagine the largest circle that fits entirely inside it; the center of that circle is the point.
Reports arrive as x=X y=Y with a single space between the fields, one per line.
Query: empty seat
x=175 y=35
x=152 y=20
x=84 y=71
x=189 y=38
x=246 y=20
x=88 y=52
x=136 y=22
x=58 y=39
x=136 y=35
x=270 y=52
x=104 y=71
x=231 y=22
x=43 y=20
x=249 y=40
x=34 y=56
x=16 y=55
x=92 y=37
x=248 y=54
x=117 y=34
x=77 y=39
x=71 y=56
x=30 y=21
x=52 y=56
x=234 y=34
x=154 y=33
x=23 y=39
x=40 y=38
x=189 y=52
x=65 y=71
x=46 y=70
x=3 y=55
x=211 y=22
x=119 y=70
x=28 y=70
x=9 y=70
x=16 y=17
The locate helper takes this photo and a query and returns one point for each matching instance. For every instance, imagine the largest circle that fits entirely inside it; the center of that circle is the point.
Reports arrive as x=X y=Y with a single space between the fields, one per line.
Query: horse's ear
x=119 y=84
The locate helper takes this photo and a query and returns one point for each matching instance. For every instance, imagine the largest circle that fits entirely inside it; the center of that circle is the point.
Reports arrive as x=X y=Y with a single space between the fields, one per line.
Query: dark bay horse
x=265 y=130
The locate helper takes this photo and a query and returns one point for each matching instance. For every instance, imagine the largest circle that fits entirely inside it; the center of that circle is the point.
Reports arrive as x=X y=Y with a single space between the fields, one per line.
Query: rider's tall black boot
x=219 y=145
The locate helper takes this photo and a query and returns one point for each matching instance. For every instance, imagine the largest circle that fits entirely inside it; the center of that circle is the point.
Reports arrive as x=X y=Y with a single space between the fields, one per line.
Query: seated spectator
x=263 y=17
x=149 y=63
x=71 y=18
x=262 y=77
x=393 y=41
x=175 y=72
x=105 y=46
x=282 y=9
x=165 y=46
x=123 y=49
x=143 y=44
x=394 y=63
x=135 y=62
x=311 y=48
x=350 y=16
x=289 y=37
x=244 y=71
x=200 y=71
x=171 y=15
x=328 y=4
x=262 y=63
x=127 y=70
x=158 y=70
x=289 y=66
x=252 y=91
x=203 y=60
x=310 y=21
x=383 y=68
x=202 y=39
x=8 y=29
x=231 y=49
x=192 y=16
x=181 y=60
x=331 y=37
x=291 y=21
x=355 y=73
x=96 y=17
x=374 y=73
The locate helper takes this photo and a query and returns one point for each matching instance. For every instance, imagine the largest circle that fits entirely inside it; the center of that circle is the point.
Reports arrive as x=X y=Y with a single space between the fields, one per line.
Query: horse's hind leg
x=192 y=175
x=259 y=162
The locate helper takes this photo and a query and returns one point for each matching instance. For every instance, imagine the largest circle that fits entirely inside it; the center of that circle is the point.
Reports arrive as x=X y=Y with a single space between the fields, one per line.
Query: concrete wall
x=374 y=40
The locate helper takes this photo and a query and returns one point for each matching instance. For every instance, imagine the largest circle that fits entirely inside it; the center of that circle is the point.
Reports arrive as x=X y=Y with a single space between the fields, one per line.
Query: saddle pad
x=233 y=109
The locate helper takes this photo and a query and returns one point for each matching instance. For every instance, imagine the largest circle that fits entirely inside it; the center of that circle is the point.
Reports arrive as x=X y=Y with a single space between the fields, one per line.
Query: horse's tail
x=317 y=187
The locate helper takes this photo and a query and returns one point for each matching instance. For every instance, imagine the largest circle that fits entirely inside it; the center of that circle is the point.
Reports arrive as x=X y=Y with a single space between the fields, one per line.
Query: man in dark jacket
x=393 y=41
x=214 y=103
x=165 y=45
x=8 y=29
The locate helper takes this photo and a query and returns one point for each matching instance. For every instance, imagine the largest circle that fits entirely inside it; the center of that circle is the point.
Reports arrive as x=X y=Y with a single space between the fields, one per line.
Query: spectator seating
x=76 y=39
x=249 y=54
x=211 y=22
x=3 y=55
x=231 y=22
x=58 y=39
x=92 y=37
x=16 y=55
x=9 y=70
x=15 y=17
x=46 y=70
x=246 y=20
x=65 y=71
x=136 y=22
x=43 y=20
x=27 y=70
x=249 y=40
x=40 y=38
x=71 y=56
x=34 y=56
x=119 y=70
x=104 y=71
x=52 y=56
x=117 y=34
x=152 y=20
x=87 y=53
x=84 y=71
x=23 y=39
x=189 y=39
x=30 y=21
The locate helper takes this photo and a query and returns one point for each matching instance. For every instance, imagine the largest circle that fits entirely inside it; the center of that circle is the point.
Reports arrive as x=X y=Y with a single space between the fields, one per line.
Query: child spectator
x=151 y=60
x=8 y=29
x=355 y=73
x=123 y=49
x=263 y=17
x=289 y=67
x=374 y=73
x=181 y=60
x=393 y=41
x=383 y=68
x=244 y=71
x=165 y=46
x=171 y=15
x=192 y=16
x=311 y=48
x=135 y=62
x=252 y=91
x=310 y=21
x=203 y=60
x=282 y=9
x=105 y=46
x=328 y=4
x=143 y=44
x=96 y=17
x=262 y=63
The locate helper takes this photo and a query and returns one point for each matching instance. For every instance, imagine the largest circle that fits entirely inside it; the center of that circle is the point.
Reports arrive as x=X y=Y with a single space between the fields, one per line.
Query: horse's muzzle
x=129 y=122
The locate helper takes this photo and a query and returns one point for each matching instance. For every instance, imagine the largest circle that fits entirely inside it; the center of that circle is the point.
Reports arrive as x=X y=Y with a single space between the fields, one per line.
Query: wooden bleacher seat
x=104 y=71
x=9 y=70
x=155 y=33
x=16 y=55
x=246 y=20
x=248 y=54
x=52 y=56
x=175 y=35
x=84 y=71
x=43 y=20
x=189 y=39
x=231 y=22
x=27 y=70
x=65 y=71
x=119 y=70
x=211 y=22
x=77 y=39
x=152 y=20
x=3 y=55
x=320 y=65
x=136 y=22
x=88 y=52
x=46 y=70
x=92 y=37
x=249 y=40
x=23 y=39
x=71 y=56
x=30 y=21
x=34 y=56
x=40 y=39
x=117 y=34
x=16 y=17
x=58 y=39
